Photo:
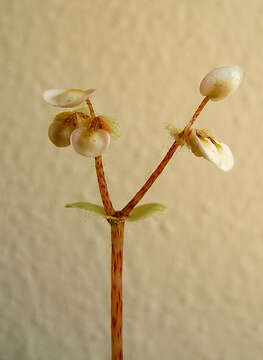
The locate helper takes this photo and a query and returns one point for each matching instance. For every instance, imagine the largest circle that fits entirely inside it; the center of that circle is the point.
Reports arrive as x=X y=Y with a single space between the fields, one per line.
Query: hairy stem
x=104 y=193
x=139 y=195
x=117 y=230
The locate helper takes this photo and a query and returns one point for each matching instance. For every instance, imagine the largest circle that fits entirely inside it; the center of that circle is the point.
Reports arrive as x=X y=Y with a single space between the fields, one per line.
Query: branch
x=104 y=193
x=139 y=195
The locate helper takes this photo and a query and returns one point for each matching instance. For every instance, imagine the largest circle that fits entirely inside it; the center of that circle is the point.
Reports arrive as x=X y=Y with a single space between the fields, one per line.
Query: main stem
x=117 y=229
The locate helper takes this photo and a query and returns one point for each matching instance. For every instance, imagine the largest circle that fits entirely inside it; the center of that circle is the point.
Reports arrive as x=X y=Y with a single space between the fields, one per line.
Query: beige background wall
x=193 y=275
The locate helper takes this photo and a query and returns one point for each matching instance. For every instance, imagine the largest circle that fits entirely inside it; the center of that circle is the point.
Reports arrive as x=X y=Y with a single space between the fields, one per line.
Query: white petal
x=204 y=147
x=90 y=145
x=66 y=98
x=221 y=82
x=226 y=157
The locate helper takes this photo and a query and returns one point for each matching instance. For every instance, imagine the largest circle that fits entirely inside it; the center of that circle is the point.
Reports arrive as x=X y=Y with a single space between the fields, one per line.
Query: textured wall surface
x=193 y=285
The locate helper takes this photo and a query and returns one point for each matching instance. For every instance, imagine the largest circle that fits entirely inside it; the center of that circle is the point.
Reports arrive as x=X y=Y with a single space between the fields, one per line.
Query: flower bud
x=59 y=133
x=88 y=143
x=66 y=98
x=221 y=82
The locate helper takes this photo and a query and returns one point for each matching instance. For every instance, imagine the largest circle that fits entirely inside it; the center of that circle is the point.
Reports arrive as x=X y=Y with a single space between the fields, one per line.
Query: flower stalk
x=195 y=116
x=139 y=195
x=104 y=193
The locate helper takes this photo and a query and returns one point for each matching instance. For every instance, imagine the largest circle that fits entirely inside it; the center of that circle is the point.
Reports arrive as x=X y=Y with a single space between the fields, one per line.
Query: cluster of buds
x=216 y=85
x=88 y=134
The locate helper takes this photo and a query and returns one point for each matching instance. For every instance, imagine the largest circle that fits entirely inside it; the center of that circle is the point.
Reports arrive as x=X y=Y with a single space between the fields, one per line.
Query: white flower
x=90 y=143
x=66 y=98
x=221 y=82
x=204 y=145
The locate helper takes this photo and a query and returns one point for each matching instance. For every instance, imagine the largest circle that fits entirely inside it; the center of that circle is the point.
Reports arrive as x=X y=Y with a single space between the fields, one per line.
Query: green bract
x=139 y=213
x=144 y=211
x=96 y=209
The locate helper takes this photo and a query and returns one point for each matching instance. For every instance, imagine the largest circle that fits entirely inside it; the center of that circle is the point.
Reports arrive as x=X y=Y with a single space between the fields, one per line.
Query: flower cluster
x=91 y=135
x=88 y=134
x=203 y=144
x=216 y=85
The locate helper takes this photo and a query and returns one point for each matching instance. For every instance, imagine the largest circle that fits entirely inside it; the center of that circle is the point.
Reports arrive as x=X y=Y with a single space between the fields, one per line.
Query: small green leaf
x=144 y=211
x=136 y=214
x=99 y=210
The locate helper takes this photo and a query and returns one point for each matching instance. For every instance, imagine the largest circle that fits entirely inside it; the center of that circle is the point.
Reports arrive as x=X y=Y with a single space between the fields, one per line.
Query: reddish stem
x=91 y=110
x=196 y=114
x=117 y=229
x=117 y=232
x=134 y=201
x=104 y=193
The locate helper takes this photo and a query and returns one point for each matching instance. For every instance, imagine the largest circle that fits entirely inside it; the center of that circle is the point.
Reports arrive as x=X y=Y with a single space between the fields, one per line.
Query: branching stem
x=139 y=195
x=117 y=231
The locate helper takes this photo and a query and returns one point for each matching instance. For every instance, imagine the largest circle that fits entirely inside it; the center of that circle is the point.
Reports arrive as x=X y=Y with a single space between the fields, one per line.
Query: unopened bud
x=59 y=133
x=221 y=82
x=90 y=144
